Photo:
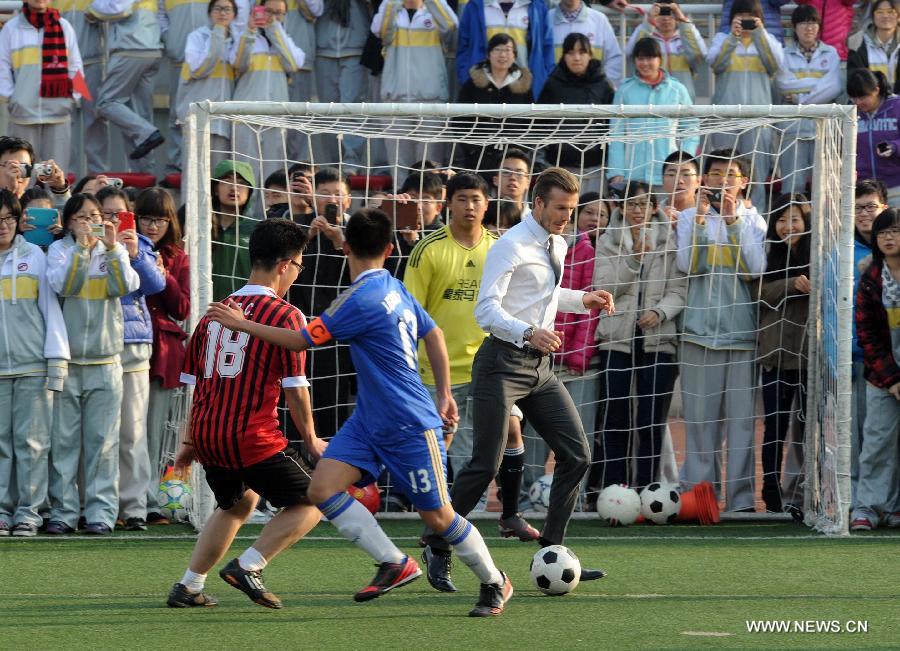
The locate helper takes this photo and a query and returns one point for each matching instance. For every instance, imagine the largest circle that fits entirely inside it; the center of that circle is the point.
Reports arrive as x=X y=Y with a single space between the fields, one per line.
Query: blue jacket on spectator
x=861 y=251
x=771 y=17
x=138 y=326
x=472 y=48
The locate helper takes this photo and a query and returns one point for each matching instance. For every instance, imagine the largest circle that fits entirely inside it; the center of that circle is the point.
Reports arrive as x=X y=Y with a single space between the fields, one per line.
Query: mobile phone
x=331 y=213
x=665 y=10
x=42 y=219
x=404 y=215
x=883 y=147
x=98 y=230
x=748 y=24
x=260 y=15
x=126 y=221
x=115 y=182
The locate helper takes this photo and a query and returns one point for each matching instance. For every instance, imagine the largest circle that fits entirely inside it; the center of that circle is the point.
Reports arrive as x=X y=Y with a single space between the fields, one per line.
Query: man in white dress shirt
x=517 y=305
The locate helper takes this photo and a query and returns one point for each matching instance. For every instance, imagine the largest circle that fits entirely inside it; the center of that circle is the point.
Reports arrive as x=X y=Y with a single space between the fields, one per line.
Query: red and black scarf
x=55 y=80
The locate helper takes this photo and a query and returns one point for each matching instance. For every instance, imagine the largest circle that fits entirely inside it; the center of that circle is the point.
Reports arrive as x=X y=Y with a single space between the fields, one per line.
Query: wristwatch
x=528 y=334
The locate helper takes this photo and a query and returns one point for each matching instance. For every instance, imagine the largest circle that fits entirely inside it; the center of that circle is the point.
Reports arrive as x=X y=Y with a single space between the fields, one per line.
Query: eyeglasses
x=299 y=266
x=517 y=173
x=275 y=14
x=869 y=207
x=683 y=175
x=223 y=9
x=93 y=218
x=111 y=216
x=892 y=233
x=9 y=222
x=637 y=205
x=503 y=50
x=157 y=222
x=719 y=175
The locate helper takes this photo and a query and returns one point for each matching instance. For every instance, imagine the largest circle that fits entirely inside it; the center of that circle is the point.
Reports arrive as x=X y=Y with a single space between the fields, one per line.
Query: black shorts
x=282 y=480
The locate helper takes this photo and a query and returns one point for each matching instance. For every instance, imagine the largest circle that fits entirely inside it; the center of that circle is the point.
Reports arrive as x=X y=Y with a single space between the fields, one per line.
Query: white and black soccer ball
x=555 y=570
x=539 y=493
x=619 y=505
x=174 y=499
x=660 y=503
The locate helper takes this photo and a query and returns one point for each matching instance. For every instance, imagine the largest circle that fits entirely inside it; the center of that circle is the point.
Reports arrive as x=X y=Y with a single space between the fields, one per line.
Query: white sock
x=472 y=551
x=193 y=582
x=359 y=527
x=252 y=561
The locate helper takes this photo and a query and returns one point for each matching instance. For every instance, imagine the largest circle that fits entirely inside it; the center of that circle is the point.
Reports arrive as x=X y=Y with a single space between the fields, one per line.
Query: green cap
x=241 y=168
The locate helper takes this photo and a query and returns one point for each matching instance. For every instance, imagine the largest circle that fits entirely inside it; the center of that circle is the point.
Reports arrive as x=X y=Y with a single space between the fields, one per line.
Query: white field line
x=630 y=539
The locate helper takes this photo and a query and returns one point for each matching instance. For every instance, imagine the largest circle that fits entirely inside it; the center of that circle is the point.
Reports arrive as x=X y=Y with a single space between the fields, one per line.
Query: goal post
x=474 y=137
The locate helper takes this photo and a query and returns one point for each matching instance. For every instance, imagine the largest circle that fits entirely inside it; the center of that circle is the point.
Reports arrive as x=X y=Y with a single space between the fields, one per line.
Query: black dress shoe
x=591 y=575
x=437 y=566
x=153 y=141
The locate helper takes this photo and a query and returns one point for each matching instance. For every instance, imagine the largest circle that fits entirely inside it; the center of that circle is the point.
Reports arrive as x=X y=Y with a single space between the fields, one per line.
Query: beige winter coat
x=650 y=283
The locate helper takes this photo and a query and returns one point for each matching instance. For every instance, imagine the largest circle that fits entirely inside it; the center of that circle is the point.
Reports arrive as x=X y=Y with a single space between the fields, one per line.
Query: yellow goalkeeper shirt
x=444 y=276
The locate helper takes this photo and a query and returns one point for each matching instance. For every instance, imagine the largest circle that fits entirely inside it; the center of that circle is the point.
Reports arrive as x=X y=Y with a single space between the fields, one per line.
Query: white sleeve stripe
x=294 y=382
x=186 y=378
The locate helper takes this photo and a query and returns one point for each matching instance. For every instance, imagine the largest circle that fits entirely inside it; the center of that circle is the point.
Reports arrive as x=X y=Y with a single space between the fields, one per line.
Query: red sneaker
x=388 y=577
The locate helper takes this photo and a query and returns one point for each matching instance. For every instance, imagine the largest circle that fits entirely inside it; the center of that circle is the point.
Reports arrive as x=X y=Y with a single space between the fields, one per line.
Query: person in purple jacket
x=878 y=134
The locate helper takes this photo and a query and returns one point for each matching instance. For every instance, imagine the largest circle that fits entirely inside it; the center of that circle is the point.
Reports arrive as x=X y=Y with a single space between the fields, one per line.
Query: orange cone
x=699 y=505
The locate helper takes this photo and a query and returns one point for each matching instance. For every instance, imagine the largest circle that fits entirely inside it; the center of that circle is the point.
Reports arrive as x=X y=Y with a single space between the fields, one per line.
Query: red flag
x=79 y=85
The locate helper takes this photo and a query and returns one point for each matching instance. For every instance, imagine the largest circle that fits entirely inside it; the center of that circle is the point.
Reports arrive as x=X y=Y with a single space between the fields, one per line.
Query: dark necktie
x=557 y=269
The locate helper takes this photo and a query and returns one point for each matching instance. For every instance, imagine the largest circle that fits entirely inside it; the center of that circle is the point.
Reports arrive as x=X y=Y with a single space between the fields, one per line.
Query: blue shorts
x=416 y=460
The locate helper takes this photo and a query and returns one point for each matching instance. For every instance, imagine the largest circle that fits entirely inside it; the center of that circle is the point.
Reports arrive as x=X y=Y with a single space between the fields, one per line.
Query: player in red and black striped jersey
x=234 y=430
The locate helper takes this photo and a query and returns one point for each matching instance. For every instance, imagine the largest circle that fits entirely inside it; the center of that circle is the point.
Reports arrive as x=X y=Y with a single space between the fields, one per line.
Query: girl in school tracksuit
x=34 y=350
x=745 y=62
x=90 y=274
x=207 y=73
x=878 y=130
x=264 y=58
x=414 y=42
x=876 y=45
x=38 y=94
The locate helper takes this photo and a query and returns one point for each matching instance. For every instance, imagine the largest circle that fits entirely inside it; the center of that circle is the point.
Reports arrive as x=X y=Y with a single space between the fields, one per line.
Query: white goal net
x=723 y=385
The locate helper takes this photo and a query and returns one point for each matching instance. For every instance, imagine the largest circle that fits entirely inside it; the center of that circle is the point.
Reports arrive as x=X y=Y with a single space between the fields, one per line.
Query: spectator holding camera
x=769 y=15
x=134 y=460
x=90 y=270
x=39 y=57
x=34 y=364
x=17 y=167
x=683 y=48
x=878 y=130
x=157 y=221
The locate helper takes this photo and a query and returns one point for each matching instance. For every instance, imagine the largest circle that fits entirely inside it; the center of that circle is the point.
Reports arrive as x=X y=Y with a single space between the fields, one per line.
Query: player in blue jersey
x=395 y=423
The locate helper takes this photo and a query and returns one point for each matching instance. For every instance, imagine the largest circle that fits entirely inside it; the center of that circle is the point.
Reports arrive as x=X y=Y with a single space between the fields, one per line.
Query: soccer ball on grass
x=660 y=503
x=619 y=505
x=555 y=570
x=174 y=499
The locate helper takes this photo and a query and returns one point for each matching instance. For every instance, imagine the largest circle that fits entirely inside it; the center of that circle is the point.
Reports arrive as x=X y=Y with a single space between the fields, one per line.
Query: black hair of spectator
x=637 y=189
x=888 y=218
x=209 y=7
x=330 y=175
x=34 y=193
x=588 y=198
x=863 y=81
x=158 y=202
x=424 y=165
x=132 y=193
x=274 y=241
x=517 y=154
x=647 y=47
x=467 y=181
x=83 y=181
x=11 y=144
x=502 y=214
x=424 y=183
x=752 y=7
x=782 y=257
x=872 y=186
x=574 y=39
x=679 y=157
x=276 y=180
x=726 y=155
x=805 y=14
x=369 y=232
x=306 y=168
x=74 y=204
x=499 y=40
x=109 y=191
x=9 y=201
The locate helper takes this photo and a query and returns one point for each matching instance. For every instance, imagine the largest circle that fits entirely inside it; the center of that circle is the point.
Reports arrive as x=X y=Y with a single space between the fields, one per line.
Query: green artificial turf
x=677 y=587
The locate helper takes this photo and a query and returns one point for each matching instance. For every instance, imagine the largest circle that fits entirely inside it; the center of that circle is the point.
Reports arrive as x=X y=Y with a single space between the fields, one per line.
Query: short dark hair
x=275 y=240
x=330 y=175
x=679 y=157
x=517 y=154
x=11 y=144
x=158 y=202
x=888 y=218
x=753 y=7
x=572 y=40
x=425 y=183
x=555 y=177
x=9 y=201
x=871 y=186
x=301 y=167
x=646 y=47
x=369 y=231
x=278 y=178
x=109 y=192
x=35 y=193
x=863 y=81
x=74 y=204
x=726 y=155
x=806 y=14
x=502 y=213
x=467 y=181
x=502 y=38
x=209 y=6
x=83 y=181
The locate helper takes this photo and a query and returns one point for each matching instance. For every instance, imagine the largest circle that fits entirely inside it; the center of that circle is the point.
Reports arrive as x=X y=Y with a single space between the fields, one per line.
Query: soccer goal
x=803 y=460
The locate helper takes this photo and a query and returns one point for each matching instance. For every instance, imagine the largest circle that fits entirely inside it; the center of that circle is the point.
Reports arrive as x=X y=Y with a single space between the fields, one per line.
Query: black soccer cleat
x=179 y=597
x=250 y=583
x=592 y=575
x=437 y=568
x=492 y=598
x=388 y=577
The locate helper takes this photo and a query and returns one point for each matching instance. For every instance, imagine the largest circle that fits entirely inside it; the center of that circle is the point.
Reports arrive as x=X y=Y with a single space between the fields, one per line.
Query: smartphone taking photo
x=404 y=215
x=42 y=219
x=126 y=221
